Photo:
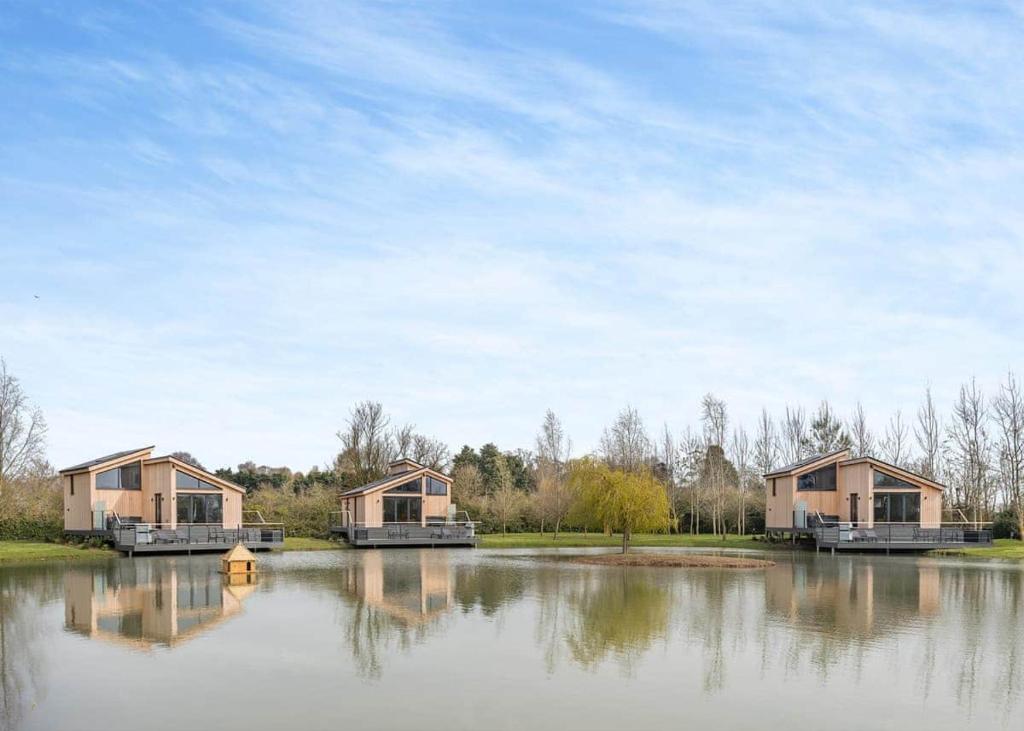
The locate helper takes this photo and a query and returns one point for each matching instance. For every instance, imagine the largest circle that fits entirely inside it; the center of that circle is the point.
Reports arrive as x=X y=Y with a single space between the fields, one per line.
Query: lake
x=481 y=639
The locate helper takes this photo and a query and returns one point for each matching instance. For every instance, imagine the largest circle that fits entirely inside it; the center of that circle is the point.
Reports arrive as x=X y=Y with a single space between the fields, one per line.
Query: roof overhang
x=896 y=471
x=389 y=481
x=113 y=459
x=823 y=461
x=196 y=472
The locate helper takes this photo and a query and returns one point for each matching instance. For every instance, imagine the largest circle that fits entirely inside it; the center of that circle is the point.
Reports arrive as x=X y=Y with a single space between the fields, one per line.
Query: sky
x=223 y=224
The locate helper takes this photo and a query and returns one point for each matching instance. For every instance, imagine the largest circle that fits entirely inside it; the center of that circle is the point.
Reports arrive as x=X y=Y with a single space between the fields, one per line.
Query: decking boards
x=891 y=538
x=194 y=539
x=433 y=536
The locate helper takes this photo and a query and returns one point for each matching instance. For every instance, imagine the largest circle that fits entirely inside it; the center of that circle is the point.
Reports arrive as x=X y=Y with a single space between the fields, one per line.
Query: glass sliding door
x=200 y=509
x=402 y=509
x=897 y=507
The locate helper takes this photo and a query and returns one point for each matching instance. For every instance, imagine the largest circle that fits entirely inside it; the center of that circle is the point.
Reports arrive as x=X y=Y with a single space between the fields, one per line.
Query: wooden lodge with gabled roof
x=410 y=506
x=862 y=503
x=142 y=503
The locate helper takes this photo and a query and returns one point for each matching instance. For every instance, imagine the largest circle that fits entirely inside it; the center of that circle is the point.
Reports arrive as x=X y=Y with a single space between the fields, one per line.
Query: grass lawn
x=292 y=543
x=1005 y=548
x=31 y=551
x=577 y=540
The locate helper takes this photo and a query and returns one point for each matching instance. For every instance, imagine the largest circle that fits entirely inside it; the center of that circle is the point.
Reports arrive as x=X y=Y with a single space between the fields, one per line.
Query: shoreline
x=1005 y=549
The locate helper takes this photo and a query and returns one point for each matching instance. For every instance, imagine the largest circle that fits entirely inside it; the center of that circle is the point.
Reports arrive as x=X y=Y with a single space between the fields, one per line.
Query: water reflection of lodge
x=841 y=596
x=149 y=603
x=412 y=592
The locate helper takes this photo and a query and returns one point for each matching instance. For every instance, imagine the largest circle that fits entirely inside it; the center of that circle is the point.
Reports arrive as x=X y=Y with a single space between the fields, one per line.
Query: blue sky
x=241 y=218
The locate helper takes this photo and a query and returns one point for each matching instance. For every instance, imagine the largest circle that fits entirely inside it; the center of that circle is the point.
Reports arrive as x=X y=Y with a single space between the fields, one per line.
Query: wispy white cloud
x=472 y=222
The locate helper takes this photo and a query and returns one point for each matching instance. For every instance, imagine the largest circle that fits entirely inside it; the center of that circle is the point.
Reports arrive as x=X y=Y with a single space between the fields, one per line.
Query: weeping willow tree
x=625 y=502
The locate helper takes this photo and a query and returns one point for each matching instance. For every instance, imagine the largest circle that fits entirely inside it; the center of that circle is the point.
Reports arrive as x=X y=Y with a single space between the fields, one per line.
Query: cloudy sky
x=223 y=224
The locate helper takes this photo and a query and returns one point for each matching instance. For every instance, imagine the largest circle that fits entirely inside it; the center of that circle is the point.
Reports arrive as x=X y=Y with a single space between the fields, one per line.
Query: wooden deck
x=896 y=537
x=407 y=535
x=191 y=539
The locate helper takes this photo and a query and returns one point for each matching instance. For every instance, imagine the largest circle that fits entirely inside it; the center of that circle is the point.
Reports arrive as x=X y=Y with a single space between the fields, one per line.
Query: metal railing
x=845 y=532
x=135 y=534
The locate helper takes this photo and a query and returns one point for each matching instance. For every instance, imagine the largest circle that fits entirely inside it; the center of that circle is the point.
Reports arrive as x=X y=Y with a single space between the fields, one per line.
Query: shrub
x=1005 y=524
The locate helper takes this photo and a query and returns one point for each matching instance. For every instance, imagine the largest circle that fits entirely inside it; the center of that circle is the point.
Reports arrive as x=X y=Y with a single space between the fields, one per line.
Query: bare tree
x=691 y=457
x=861 y=438
x=794 y=441
x=1008 y=407
x=766 y=444
x=368 y=445
x=625 y=445
x=429 y=452
x=507 y=501
x=896 y=443
x=554 y=450
x=970 y=456
x=741 y=453
x=668 y=460
x=22 y=429
x=554 y=447
x=827 y=431
x=928 y=434
x=715 y=422
x=467 y=484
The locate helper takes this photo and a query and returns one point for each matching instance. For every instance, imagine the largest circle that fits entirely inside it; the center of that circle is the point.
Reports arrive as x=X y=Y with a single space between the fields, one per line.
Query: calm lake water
x=463 y=639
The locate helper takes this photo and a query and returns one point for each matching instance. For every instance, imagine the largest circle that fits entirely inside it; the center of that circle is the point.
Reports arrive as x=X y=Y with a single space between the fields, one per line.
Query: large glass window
x=884 y=479
x=823 y=479
x=411 y=486
x=402 y=509
x=436 y=487
x=127 y=477
x=200 y=508
x=897 y=507
x=185 y=481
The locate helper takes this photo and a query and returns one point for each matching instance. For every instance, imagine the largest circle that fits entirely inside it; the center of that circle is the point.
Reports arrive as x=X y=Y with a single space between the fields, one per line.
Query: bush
x=32 y=509
x=305 y=514
x=1005 y=524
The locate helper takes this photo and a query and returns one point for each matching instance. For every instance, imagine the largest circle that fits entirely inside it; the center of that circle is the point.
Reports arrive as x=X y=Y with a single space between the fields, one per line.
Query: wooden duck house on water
x=239 y=561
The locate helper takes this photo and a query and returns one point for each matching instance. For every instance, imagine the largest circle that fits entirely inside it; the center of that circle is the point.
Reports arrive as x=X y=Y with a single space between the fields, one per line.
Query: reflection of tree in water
x=489 y=586
x=23 y=594
x=620 y=615
x=956 y=628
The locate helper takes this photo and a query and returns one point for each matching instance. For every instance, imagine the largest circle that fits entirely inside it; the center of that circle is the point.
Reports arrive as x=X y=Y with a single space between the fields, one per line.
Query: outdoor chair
x=166 y=536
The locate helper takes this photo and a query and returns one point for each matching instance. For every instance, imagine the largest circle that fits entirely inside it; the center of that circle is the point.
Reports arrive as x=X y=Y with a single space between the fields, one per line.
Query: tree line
x=706 y=479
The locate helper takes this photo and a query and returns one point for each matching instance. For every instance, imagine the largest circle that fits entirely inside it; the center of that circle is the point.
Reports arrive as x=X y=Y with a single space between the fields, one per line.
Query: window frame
x=431 y=482
x=119 y=470
x=892 y=498
x=901 y=484
x=833 y=468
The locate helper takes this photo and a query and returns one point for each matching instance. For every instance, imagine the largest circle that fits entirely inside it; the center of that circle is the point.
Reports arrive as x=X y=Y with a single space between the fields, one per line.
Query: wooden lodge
x=410 y=506
x=862 y=503
x=146 y=504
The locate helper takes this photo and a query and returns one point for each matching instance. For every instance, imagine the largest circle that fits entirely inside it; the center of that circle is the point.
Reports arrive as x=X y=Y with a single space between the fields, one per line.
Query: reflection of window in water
x=128 y=624
x=437 y=601
x=200 y=594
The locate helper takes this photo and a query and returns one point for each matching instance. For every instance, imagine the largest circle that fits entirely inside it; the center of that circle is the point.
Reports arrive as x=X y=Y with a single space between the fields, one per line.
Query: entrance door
x=855 y=508
x=158 y=508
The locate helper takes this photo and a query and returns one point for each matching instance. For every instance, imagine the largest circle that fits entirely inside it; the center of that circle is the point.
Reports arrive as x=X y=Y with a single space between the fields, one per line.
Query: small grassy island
x=674 y=560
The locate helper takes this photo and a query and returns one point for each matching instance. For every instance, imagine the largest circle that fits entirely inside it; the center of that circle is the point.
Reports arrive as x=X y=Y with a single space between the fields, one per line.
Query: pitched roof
x=199 y=470
x=104 y=459
x=785 y=469
x=895 y=468
x=239 y=553
x=400 y=477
